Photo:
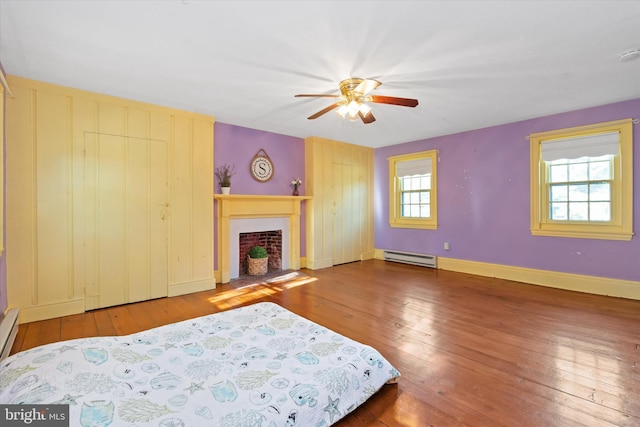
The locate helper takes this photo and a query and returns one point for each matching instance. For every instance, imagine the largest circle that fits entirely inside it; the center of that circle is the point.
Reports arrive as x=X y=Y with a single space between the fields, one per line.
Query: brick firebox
x=270 y=240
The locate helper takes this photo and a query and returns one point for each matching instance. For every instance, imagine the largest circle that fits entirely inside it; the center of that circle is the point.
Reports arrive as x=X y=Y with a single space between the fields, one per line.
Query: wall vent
x=411 y=258
x=8 y=332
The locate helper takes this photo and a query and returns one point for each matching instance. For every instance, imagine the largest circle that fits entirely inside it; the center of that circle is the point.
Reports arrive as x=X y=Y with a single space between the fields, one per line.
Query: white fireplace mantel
x=234 y=206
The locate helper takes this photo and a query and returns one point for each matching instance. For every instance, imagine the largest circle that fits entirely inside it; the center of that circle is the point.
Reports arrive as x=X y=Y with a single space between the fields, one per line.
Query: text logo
x=34 y=415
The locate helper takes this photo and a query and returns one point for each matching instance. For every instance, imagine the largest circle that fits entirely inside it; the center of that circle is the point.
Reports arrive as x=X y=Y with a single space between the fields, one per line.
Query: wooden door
x=126 y=196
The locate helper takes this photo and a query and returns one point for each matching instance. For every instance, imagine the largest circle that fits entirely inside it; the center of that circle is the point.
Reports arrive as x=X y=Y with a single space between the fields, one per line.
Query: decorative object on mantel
x=296 y=183
x=261 y=166
x=257 y=261
x=224 y=173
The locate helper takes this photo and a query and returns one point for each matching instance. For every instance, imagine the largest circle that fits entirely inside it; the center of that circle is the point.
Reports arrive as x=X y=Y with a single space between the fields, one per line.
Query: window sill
x=604 y=235
x=414 y=224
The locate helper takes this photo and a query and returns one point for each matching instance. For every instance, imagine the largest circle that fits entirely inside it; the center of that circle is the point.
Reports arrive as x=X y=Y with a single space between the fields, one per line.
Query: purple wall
x=237 y=146
x=483 y=201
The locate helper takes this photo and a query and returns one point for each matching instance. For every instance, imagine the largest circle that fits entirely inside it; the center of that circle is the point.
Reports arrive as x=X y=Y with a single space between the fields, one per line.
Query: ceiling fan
x=352 y=101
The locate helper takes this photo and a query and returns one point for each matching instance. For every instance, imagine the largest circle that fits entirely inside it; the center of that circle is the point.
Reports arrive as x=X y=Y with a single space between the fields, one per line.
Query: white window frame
x=620 y=227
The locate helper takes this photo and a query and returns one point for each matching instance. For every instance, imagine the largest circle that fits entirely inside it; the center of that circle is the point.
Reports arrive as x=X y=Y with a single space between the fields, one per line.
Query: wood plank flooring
x=472 y=350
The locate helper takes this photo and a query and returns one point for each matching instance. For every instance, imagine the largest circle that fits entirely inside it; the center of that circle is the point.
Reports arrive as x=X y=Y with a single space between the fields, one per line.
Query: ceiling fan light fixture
x=365 y=109
x=342 y=111
x=353 y=108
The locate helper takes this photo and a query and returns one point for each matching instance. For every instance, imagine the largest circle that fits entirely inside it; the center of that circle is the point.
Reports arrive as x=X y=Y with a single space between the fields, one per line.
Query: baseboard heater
x=411 y=258
x=8 y=332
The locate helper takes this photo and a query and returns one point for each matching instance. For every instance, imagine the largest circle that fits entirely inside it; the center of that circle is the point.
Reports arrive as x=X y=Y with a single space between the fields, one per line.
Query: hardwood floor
x=472 y=350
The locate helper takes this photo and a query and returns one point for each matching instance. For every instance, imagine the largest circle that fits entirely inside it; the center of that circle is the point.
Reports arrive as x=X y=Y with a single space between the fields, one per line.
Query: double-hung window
x=581 y=182
x=413 y=190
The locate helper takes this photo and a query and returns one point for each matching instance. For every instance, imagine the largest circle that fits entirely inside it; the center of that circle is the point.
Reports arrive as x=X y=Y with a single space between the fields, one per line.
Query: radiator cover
x=411 y=258
x=8 y=332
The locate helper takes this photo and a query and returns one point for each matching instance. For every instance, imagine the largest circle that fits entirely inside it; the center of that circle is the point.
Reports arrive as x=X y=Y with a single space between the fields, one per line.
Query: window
x=580 y=189
x=581 y=182
x=412 y=190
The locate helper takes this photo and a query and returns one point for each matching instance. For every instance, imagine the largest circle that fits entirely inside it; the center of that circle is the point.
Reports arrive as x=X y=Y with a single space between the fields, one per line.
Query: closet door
x=126 y=242
x=348 y=223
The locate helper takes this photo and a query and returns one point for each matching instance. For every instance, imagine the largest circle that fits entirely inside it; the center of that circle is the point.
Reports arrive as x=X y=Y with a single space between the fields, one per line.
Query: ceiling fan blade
x=323 y=111
x=315 y=95
x=366 y=86
x=367 y=118
x=404 y=102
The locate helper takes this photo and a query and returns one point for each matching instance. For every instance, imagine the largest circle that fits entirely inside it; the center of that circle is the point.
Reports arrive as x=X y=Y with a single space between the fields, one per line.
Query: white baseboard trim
x=553 y=279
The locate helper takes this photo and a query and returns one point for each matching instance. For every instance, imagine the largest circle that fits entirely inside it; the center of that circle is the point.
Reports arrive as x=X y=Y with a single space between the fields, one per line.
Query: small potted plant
x=224 y=173
x=257 y=261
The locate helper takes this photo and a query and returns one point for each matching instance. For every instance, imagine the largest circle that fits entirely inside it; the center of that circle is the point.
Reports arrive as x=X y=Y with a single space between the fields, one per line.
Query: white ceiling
x=471 y=64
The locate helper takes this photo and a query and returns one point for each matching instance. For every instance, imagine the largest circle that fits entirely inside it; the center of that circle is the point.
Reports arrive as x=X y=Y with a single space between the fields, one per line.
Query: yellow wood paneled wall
x=339 y=176
x=2 y=98
x=47 y=126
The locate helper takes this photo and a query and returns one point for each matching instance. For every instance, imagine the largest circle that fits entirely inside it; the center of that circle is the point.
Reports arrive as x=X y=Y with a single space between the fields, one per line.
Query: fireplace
x=272 y=233
x=270 y=240
x=247 y=213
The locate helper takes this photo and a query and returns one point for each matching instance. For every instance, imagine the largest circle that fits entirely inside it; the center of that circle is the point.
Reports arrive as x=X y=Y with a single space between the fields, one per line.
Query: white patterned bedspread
x=259 y=365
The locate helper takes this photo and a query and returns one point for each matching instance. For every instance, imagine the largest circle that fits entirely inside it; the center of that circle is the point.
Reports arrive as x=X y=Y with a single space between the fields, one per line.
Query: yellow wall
x=339 y=178
x=46 y=127
x=2 y=95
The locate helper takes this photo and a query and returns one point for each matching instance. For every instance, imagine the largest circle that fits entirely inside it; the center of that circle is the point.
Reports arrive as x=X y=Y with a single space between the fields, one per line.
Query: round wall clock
x=261 y=167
